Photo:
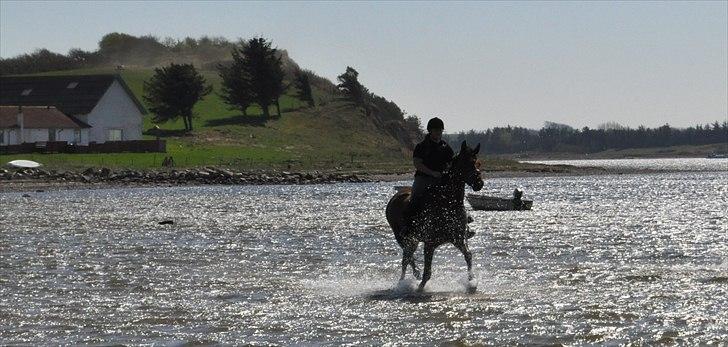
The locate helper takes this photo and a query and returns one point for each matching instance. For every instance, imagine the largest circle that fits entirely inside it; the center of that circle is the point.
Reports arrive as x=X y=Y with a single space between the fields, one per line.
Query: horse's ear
x=477 y=149
x=463 y=146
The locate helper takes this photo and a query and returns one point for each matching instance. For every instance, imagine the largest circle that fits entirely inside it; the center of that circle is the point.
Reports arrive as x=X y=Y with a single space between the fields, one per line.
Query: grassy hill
x=331 y=135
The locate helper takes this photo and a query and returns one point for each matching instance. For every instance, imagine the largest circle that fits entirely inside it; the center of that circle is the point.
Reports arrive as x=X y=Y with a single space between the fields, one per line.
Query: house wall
x=115 y=110
x=35 y=135
x=69 y=135
x=11 y=136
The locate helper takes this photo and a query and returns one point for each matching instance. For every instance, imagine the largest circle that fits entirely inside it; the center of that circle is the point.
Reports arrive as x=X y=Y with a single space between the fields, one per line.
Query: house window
x=51 y=135
x=26 y=92
x=77 y=136
x=115 y=135
x=72 y=85
x=2 y=137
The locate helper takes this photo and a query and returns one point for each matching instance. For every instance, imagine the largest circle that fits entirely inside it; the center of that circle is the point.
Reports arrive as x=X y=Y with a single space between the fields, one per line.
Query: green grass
x=334 y=135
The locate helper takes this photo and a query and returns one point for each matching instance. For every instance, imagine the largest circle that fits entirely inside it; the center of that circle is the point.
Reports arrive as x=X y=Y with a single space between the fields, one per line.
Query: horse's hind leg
x=408 y=258
x=415 y=270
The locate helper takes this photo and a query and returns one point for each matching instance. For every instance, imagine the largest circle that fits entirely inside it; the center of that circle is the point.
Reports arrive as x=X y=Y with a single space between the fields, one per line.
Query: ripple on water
x=599 y=260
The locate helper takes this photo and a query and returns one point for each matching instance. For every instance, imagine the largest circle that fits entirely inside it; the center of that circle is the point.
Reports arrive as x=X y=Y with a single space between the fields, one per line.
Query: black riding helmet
x=435 y=123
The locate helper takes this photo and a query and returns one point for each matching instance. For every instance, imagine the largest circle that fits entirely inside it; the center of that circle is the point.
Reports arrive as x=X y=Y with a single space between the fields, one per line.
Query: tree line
x=255 y=76
x=554 y=137
x=119 y=49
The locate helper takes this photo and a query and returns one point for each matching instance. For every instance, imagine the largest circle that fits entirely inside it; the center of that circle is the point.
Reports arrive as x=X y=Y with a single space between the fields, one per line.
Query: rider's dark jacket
x=435 y=155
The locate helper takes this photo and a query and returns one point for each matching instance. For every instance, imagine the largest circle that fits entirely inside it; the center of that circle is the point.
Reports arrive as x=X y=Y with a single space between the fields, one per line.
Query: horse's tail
x=395 y=213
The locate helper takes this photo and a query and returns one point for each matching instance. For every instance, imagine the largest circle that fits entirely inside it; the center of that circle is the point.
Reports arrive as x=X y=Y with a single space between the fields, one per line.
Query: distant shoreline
x=673 y=152
x=38 y=181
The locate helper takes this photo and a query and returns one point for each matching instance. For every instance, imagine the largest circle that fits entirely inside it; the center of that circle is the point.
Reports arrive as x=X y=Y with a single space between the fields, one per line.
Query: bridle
x=471 y=178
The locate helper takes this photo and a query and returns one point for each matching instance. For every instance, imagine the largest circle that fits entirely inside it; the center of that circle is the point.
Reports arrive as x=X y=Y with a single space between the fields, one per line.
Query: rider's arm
x=420 y=166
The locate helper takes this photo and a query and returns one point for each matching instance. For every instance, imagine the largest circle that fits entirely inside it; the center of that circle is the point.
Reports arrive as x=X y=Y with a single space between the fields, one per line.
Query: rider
x=430 y=158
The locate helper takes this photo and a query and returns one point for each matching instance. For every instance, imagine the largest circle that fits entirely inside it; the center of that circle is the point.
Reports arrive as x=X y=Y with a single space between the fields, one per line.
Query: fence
x=137 y=146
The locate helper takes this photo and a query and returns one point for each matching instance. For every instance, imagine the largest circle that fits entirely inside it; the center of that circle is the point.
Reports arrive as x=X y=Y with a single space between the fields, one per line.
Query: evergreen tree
x=255 y=76
x=352 y=89
x=236 y=90
x=173 y=91
x=302 y=83
x=262 y=66
x=355 y=92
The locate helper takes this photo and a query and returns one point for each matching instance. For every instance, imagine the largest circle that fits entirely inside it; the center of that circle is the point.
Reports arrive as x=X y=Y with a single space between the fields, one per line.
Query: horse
x=441 y=218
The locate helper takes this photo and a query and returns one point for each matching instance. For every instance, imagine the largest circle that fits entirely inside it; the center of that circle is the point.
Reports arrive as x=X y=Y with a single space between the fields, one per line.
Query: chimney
x=20 y=124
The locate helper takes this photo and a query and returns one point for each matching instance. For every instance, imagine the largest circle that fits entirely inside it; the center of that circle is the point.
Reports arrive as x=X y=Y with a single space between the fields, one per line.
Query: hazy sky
x=476 y=65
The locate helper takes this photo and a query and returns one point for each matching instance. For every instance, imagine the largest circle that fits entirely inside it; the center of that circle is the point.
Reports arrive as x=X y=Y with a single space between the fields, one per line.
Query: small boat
x=24 y=164
x=492 y=203
x=717 y=156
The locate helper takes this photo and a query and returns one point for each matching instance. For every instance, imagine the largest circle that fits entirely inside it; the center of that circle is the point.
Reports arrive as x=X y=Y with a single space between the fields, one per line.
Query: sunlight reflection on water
x=600 y=259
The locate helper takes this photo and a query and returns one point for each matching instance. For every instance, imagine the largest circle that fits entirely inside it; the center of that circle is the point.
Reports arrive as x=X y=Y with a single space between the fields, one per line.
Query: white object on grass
x=24 y=163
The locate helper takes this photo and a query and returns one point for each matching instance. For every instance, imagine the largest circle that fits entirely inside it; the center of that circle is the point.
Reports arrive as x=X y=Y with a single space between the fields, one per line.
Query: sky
x=476 y=65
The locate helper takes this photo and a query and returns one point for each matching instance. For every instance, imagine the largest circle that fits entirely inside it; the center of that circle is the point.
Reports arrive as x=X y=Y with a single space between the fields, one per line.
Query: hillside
x=331 y=135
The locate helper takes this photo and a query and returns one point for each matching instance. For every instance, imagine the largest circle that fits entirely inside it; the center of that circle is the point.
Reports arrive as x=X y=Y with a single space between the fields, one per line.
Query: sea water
x=608 y=259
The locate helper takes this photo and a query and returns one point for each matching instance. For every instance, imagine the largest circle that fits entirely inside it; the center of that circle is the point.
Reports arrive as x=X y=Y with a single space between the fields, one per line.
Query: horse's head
x=467 y=166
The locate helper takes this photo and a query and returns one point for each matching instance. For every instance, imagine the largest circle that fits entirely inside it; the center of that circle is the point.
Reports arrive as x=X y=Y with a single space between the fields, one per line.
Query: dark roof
x=85 y=93
x=38 y=117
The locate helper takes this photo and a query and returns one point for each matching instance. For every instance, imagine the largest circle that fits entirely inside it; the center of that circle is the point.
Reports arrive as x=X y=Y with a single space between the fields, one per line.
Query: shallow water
x=600 y=260
x=662 y=164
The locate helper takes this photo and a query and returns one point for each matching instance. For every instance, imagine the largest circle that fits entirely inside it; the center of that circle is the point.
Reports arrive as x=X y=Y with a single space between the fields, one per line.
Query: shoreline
x=34 y=180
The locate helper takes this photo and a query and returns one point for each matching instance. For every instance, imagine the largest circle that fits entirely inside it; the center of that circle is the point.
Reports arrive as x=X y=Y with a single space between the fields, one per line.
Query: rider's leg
x=419 y=187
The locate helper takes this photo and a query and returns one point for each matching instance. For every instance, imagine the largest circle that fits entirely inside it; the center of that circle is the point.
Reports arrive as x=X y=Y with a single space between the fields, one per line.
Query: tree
x=356 y=92
x=263 y=68
x=236 y=90
x=256 y=76
x=173 y=91
x=302 y=83
x=352 y=89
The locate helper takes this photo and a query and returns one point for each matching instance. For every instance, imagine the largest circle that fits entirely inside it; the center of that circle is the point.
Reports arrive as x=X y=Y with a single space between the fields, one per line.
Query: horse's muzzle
x=478 y=184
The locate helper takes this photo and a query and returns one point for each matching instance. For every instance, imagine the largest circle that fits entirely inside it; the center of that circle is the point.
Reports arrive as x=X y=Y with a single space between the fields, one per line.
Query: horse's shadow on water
x=407 y=292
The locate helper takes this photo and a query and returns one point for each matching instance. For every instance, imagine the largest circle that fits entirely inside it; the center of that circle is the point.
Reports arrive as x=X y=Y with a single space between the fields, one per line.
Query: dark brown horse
x=442 y=217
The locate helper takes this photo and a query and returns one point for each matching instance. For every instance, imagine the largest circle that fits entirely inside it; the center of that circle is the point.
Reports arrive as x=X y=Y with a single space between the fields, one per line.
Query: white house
x=103 y=102
x=22 y=124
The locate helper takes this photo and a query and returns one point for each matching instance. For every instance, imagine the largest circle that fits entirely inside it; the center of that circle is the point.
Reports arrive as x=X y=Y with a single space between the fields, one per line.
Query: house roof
x=72 y=94
x=38 y=117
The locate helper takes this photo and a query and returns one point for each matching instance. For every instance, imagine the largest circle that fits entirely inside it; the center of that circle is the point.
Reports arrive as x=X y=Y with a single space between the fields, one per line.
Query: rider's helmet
x=435 y=123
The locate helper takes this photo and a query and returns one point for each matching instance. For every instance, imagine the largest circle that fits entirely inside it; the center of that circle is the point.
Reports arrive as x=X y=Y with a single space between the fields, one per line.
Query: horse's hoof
x=417 y=275
x=472 y=285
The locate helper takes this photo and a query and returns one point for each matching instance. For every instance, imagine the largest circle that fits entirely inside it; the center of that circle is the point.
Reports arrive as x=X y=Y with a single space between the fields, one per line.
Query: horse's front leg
x=429 y=252
x=462 y=245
